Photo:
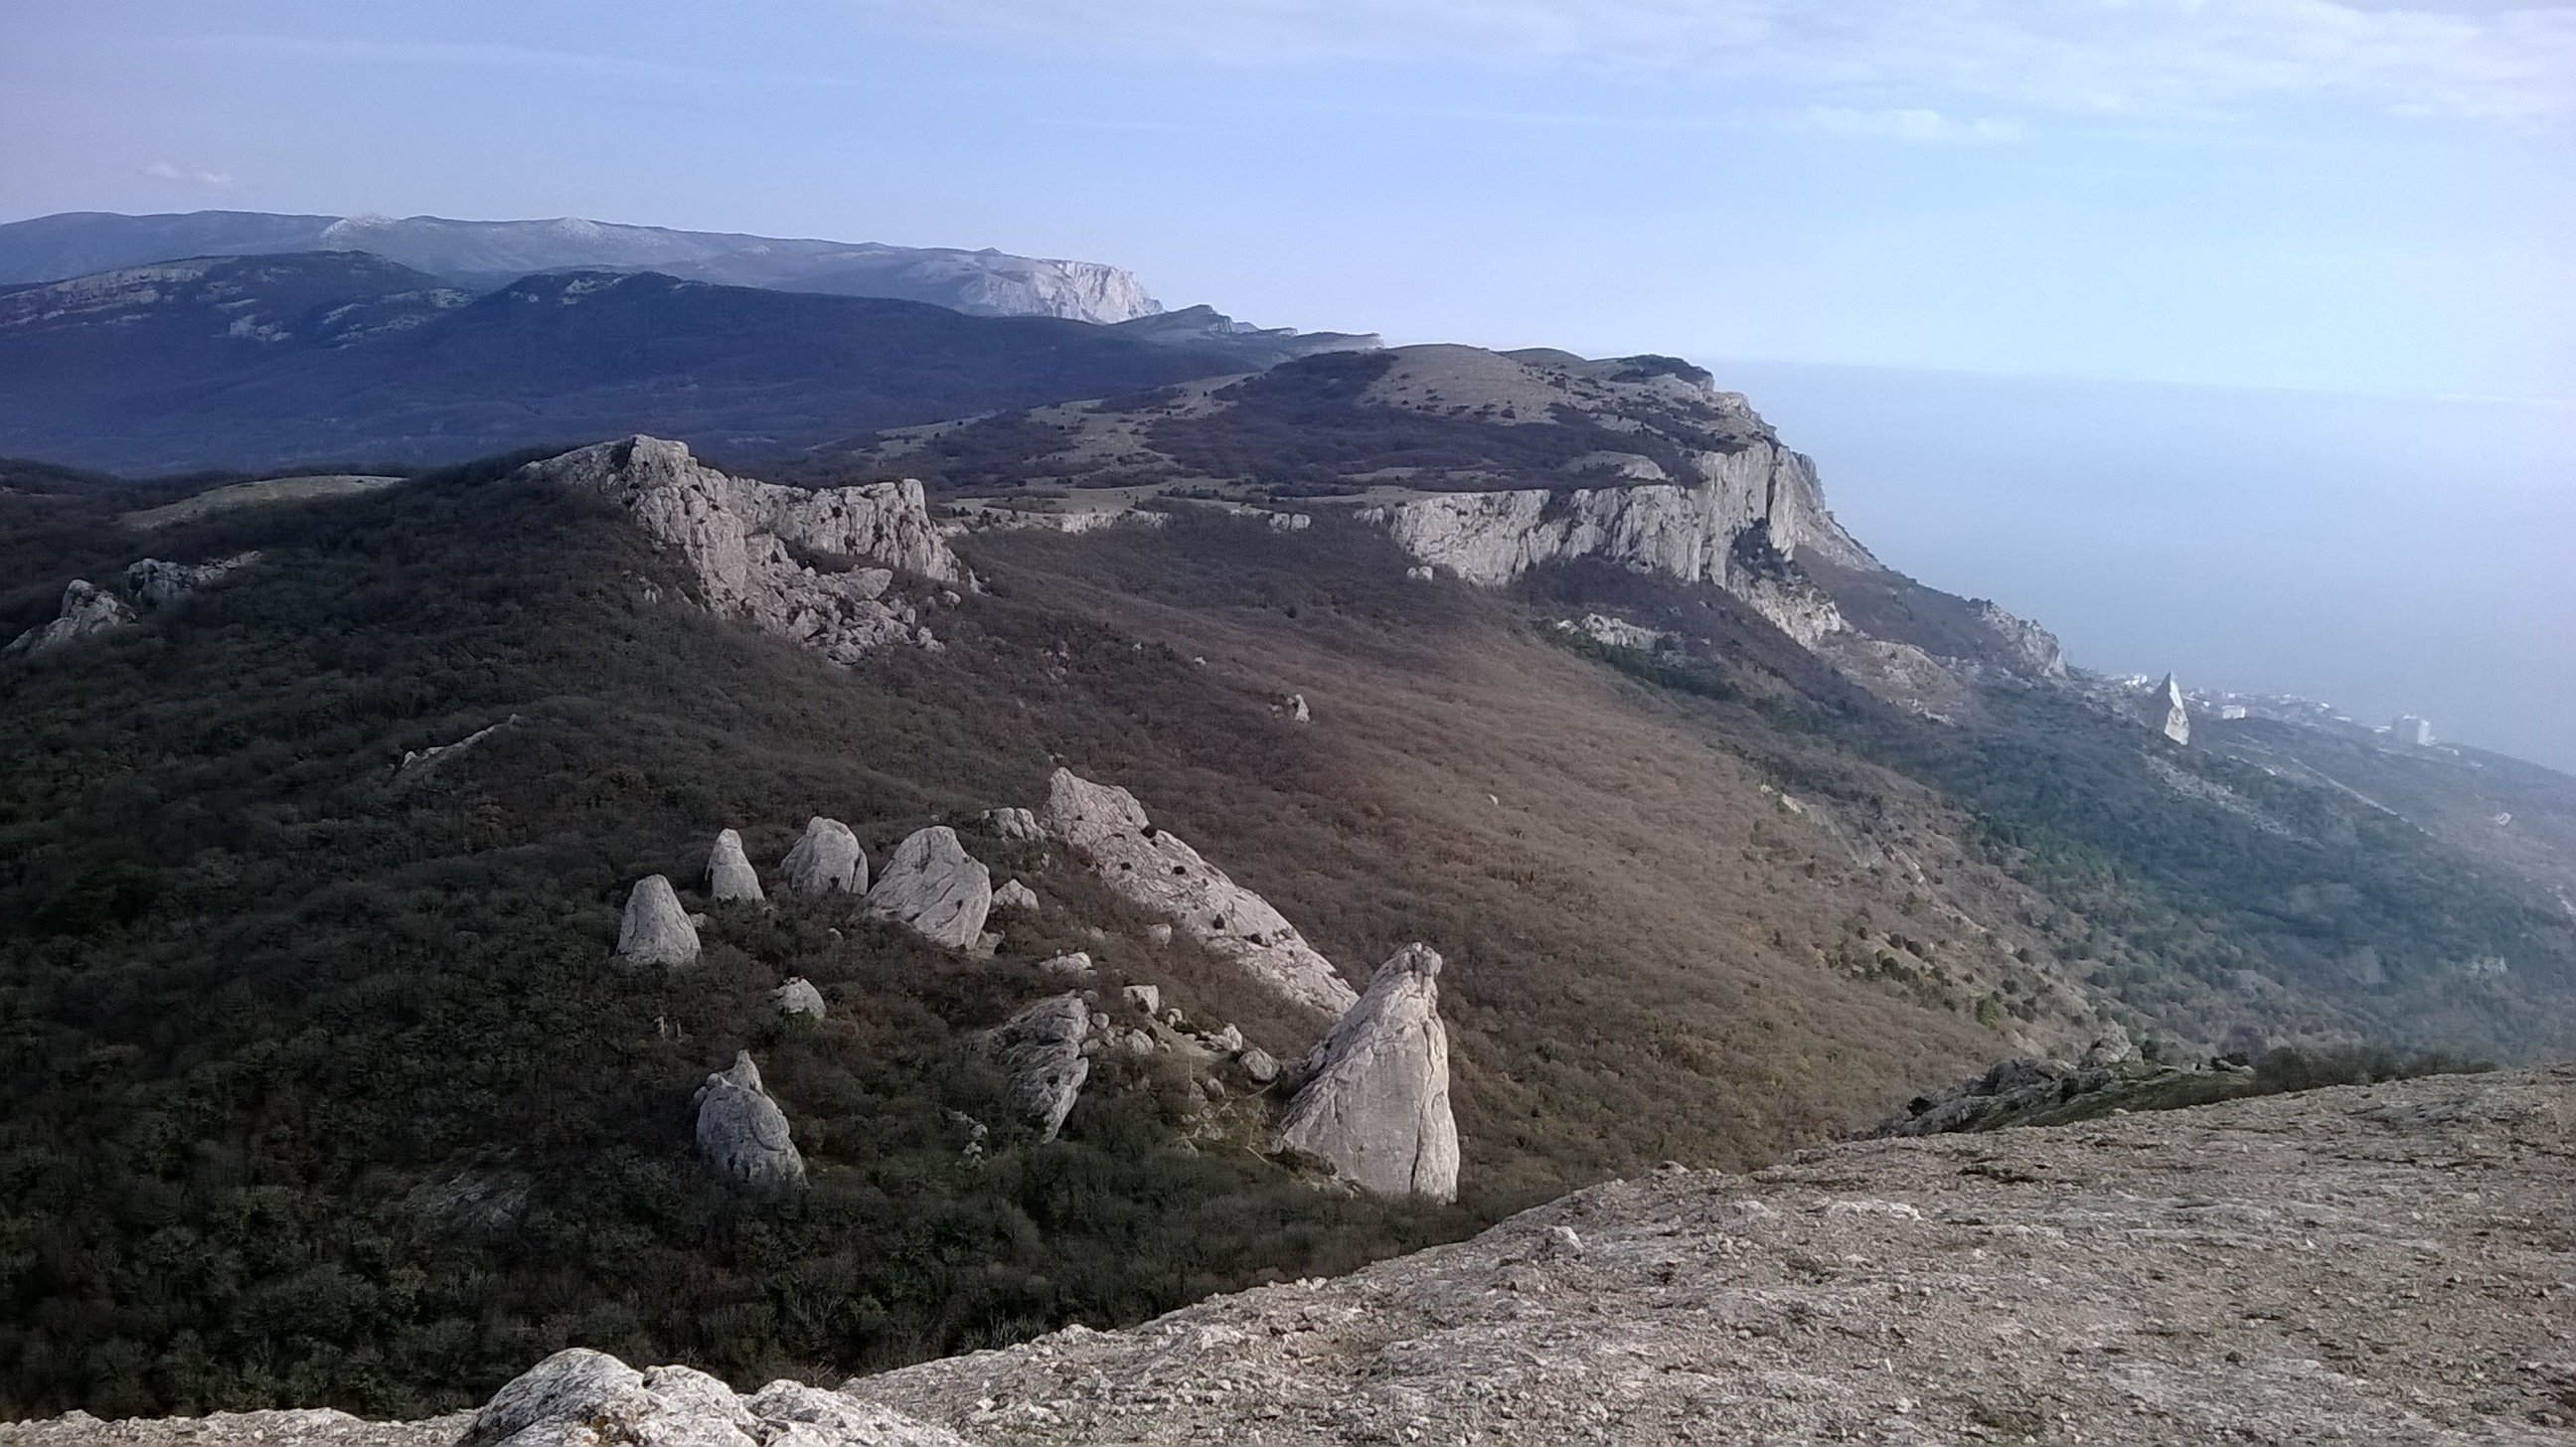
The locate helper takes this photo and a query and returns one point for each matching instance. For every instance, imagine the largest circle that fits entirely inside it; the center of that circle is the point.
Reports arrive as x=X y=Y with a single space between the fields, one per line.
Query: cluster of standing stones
x=1371 y=1099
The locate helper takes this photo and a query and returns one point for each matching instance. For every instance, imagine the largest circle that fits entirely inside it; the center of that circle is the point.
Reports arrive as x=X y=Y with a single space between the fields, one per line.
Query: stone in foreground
x=729 y=872
x=583 y=1398
x=655 y=930
x=932 y=887
x=826 y=858
x=743 y=1133
x=1153 y=868
x=1376 y=1098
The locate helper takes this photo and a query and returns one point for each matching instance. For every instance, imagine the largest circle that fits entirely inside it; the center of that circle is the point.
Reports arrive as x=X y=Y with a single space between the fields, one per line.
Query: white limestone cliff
x=1375 y=1101
x=1154 y=868
x=742 y=540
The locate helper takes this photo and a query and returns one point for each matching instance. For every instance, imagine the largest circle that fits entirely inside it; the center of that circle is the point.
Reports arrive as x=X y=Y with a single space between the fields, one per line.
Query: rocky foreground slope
x=2372 y=1264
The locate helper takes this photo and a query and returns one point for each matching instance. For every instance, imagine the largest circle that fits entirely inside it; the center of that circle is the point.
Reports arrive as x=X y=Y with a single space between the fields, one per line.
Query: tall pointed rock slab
x=1376 y=1098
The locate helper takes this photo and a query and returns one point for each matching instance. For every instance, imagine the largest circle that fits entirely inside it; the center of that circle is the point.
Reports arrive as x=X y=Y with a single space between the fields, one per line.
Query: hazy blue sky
x=2329 y=196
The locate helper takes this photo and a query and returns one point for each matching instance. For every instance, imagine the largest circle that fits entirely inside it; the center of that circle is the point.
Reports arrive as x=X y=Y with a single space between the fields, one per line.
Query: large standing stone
x=1152 y=867
x=86 y=611
x=2164 y=711
x=932 y=887
x=729 y=871
x=656 y=931
x=742 y=1132
x=1376 y=1098
x=1042 y=1049
x=826 y=858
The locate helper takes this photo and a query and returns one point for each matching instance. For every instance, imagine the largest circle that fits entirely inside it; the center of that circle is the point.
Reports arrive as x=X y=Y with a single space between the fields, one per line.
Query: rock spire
x=655 y=930
x=729 y=872
x=742 y=1132
x=1375 y=1102
x=826 y=858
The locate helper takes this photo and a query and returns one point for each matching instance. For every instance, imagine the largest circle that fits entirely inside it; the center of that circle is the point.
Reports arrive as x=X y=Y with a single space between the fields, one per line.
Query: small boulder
x=1376 y=1098
x=1228 y=1041
x=1160 y=934
x=1074 y=963
x=1148 y=998
x=743 y=1133
x=729 y=872
x=1017 y=824
x=826 y=859
x=932 y=887
x=1015 y=895
x=655 y=930
x=1258 y=1065
x=2111 y=1047
x=1042 y=1050
x=797 y=998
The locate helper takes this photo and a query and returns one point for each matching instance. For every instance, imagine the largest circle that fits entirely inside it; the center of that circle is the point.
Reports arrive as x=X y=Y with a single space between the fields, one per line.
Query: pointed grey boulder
x=2164 y=711
x=729 y=871
x=1375 y=1102
x=1042 y=1049
x=825 y=859
x=1015 y=895
x=656 y=931
x=742 y=1132
x=932 y=887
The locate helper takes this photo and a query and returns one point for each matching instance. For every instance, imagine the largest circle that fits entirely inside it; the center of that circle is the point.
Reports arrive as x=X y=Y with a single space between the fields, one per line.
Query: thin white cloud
x=449 y=54
x=1914 y=124
x=169 y=171
x=2509 y=59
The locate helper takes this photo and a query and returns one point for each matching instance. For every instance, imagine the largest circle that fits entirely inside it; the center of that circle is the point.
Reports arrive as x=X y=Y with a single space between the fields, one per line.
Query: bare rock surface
x=1154 y=868
x=302 y=1427
x=1042 y=1048
x=582 y=1398
x=418 y=764
x=825 y=858
x=2380 y=1264
x=797 y=997
x=1018 y=824
x=742 y=1132
x=1015 y=895
x=152 y=583
x=746 y=542
x=932 y=887
x=655 y=930
x=729 y=872
x=1375 y=1101
x=86 y=612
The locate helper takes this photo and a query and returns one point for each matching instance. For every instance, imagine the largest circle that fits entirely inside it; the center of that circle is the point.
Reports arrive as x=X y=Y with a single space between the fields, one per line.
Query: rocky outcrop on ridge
x=2034 y=646
x=2164 y=712
x=1107 y=829
x=826 y=858
x=729 y=872
x=419 y=763
x=1042 y=1049
x=582 y=1398
x=1375 y=1101
x=153 y=584
x=655 y=930
x=748 y=543
x=87 y=611
x=934 y=888
x=742 y=1132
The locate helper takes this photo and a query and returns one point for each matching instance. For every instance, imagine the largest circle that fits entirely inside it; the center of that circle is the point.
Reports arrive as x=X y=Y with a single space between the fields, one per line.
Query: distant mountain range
x=344 y=356
x=484 y=254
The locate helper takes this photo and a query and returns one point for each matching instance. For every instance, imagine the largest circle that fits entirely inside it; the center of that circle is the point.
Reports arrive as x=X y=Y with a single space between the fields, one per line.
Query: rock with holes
x=743 y=1133
x=1375 y=1101
x=797 y=999
x=1042 y=1049
x=729 y=872
x=86 y=612
x=1107 y=829
x=826 y=859
x=655 y=930
x=934 y=888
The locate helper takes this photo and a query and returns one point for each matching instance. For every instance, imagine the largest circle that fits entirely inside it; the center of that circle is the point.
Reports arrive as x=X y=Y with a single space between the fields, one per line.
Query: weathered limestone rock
x=826 y=858
x=932 y=887
x=583 y=1398
x=419 y=763
x=1616 y=632
x=1015 y=895
x=743 y=1133
x=86 y=611
x=1148 y=998
x=1259 y=1065
x=2164 y=711
x=1108 y=830
x=1017 y=824
x=153 y=584
x=797 y=997
x=1375 y=1102
x=743 y=540
x=655 y=930
x=1076 y=964
x=2035 y=648
x=1293 y=707
x=2111 y=1047
x=1042 y=1049
x=729 y=872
